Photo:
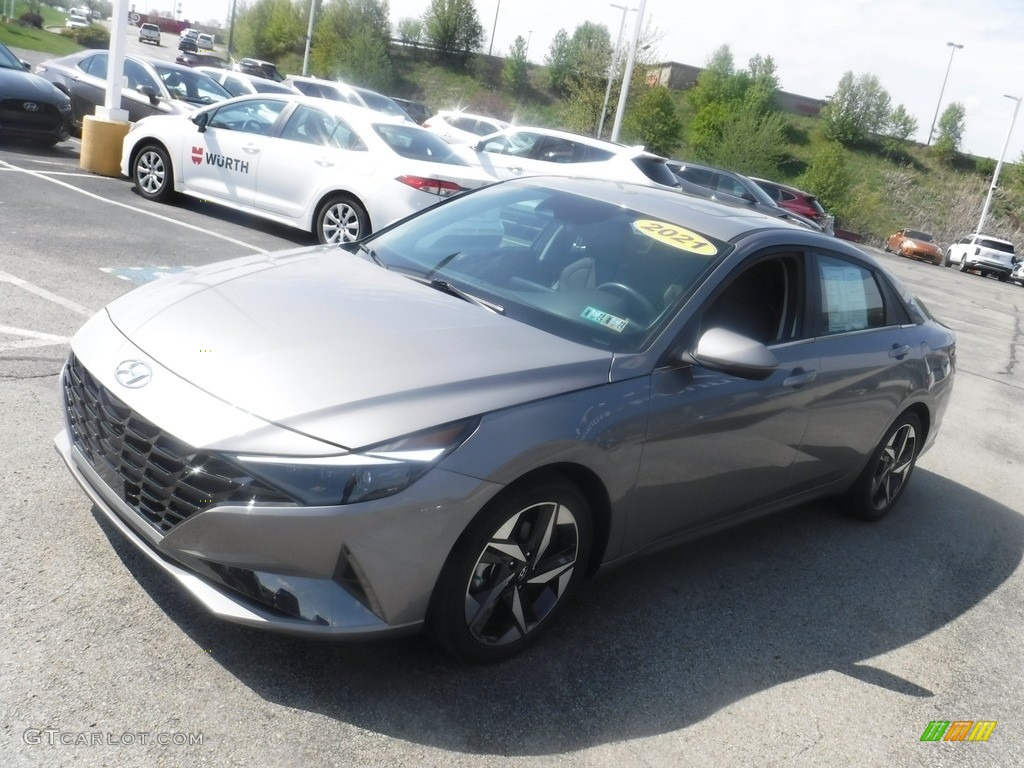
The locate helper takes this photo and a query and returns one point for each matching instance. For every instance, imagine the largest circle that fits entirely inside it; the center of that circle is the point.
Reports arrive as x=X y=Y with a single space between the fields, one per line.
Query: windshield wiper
x=372 y=254
x=453 y=290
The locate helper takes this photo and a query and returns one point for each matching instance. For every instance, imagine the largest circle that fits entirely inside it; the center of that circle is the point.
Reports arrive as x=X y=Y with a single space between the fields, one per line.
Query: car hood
x=21 y=84
x=333 y=346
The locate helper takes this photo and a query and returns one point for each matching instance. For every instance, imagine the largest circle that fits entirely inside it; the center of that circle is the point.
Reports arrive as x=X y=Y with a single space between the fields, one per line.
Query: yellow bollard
x=101 y=145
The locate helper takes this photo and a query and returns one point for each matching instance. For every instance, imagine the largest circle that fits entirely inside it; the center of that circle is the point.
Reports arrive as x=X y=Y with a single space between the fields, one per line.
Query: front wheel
x=963 y=265
x=888 y=470
x=508 y=575
x=152 y=173
x=341 y=220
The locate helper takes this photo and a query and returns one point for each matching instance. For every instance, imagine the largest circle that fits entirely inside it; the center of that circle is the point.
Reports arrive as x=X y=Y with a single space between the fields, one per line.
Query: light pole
x=999 y=165
x=309 y=37
x=494 y=28
x=628 y=75
x=526 y=53
x=931 y=132
x=615 y=65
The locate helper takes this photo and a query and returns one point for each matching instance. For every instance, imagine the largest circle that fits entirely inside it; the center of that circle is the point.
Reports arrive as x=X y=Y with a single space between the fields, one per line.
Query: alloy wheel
x=151 y=173
x=893 y=468
x=522 y=573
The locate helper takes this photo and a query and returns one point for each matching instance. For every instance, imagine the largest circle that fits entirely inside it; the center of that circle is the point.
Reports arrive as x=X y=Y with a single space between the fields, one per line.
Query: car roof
x=990 y=237
x=611 y=146
x=350 y=112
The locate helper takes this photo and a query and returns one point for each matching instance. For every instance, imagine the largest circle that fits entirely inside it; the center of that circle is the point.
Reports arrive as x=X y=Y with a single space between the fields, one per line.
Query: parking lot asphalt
x=802 y=639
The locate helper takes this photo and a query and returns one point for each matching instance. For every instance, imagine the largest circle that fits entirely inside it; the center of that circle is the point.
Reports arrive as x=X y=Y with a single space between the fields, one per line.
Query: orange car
x=914 y=245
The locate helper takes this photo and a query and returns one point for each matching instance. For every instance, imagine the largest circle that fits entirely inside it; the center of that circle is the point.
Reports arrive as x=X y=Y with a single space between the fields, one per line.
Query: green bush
x=93 y=36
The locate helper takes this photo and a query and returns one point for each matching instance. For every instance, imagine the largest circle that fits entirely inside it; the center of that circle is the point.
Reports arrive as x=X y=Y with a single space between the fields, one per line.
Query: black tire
x=341 y=219
x=1002 y=277
x=888 y=471
x=885 y=246
x=946 y=262
x=152 y=173
x=963 y=265
x=512 y=569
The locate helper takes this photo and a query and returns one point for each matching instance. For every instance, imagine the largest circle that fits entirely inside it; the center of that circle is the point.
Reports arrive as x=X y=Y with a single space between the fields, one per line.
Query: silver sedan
x=453 y=422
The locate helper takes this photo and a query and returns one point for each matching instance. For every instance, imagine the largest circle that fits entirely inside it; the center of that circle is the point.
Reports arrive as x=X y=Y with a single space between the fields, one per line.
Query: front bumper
x=354 y=570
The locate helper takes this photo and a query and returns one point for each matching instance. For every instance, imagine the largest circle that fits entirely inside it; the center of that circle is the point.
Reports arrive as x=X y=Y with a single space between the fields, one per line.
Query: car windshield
x=913 y=234
x=581 y=268
x=191 y=86
x=8 y=60
x=417 y=144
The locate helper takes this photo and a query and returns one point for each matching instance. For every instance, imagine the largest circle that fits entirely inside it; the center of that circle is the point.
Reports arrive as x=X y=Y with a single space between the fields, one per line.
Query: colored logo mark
x=197 y=155
x=958 y=730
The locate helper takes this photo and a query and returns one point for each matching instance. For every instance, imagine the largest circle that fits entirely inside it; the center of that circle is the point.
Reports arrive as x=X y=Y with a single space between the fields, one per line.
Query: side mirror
x=732 y=353
x=149 y=92
x=201 y=120
x=26 y=65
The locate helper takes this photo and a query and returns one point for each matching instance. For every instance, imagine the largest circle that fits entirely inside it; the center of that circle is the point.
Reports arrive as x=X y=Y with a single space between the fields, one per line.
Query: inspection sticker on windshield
x=675 y=236
x=617 y=324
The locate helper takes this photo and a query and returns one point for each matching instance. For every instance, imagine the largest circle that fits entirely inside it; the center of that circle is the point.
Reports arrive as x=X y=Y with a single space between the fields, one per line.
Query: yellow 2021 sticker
x=675 y=236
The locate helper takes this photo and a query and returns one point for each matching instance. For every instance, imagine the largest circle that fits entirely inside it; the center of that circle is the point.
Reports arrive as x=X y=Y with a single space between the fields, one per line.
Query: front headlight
x=369 y=473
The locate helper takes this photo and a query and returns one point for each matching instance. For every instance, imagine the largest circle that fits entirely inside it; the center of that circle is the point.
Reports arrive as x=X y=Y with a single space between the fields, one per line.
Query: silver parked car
x=456 y=420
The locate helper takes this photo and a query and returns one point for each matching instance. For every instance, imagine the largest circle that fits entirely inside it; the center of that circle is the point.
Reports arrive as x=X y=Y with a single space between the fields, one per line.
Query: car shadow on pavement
x=657 y=645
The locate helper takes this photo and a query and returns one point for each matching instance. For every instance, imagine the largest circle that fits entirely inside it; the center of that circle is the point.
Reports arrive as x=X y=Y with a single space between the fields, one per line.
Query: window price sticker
x=677 y=237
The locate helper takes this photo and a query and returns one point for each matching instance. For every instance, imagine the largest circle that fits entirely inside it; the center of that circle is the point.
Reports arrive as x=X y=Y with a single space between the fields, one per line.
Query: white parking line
x=25 y=285
x=211 y=233
x=31 y=338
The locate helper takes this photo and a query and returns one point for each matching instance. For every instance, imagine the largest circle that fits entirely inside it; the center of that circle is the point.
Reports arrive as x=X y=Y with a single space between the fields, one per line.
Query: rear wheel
x=152 y=173
x=888 y=470
x=507 y=577
x=341 y=220
x=1002 y=277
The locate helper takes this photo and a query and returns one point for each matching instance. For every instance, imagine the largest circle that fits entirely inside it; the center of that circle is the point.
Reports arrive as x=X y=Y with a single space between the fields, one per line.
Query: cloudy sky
x=813 y=43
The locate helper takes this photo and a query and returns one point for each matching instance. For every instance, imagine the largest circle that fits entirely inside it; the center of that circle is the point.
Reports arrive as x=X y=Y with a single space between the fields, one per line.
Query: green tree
x=410 y=30
x=828 y=178
x=653 y=121
x=350 y=40
x=750 y=142
x=559 y=61
x=735 y=121
x=514 y=73
x=950 y=130
x=270 y=29
x=453 y=28
x=902 y=125
x=575 y=62
x=859 y=107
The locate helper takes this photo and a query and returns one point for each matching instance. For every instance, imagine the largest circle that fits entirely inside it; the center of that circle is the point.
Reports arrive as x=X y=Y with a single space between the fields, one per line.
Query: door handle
x=799 y=377
x=898 y=351
x=324 y=163
x=516 y=169
x=252 y=149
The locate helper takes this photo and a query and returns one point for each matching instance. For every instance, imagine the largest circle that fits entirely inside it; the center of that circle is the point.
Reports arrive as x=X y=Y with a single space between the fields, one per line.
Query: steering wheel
x=252 y=126
x=633 y=296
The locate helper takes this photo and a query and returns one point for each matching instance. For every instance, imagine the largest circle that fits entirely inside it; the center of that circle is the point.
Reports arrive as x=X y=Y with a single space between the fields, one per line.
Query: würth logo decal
x=197 y=155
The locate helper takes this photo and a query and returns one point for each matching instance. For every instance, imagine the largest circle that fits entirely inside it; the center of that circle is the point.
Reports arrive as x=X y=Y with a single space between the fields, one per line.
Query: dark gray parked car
x=453 y=422
x=154 y=86
x=734 y=189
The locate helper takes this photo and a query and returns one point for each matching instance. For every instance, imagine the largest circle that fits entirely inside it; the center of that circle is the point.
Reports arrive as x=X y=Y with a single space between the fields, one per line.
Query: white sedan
x=336 y=170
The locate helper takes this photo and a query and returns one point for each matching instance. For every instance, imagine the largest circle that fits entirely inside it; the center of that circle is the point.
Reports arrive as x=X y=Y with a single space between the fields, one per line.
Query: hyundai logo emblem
x=30 y=106
x=133 y=374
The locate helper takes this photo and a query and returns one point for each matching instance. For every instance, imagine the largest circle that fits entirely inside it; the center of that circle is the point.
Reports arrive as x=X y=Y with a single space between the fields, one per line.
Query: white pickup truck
x=149 y=33
x=988 y=255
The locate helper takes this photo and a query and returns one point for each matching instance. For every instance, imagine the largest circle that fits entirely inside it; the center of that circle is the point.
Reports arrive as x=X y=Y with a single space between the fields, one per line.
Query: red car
x=798 y=201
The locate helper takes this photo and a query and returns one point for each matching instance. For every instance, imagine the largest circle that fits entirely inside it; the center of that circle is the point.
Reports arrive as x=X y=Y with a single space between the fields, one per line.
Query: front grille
x=46 y=117
x=162 y=478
